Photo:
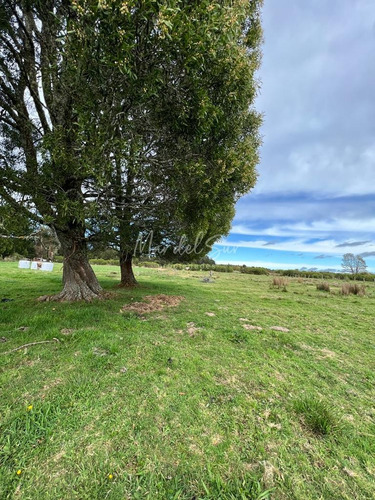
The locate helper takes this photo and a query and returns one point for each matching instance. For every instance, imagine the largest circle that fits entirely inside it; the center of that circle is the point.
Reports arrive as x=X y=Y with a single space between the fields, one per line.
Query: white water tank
x=24 y=264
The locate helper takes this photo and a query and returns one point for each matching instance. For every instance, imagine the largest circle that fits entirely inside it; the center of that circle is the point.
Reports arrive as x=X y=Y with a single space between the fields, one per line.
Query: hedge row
x=229 y=268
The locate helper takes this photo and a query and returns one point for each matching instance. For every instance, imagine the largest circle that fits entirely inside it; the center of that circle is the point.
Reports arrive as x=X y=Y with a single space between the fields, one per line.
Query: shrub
x=324 y=287
x=103 y=262
x=354 y=289
x=254 y=270
x=149 y=264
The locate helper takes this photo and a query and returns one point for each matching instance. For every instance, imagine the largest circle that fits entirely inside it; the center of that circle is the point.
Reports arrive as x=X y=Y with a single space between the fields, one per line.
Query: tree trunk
x=79 y=280
x=127 y=275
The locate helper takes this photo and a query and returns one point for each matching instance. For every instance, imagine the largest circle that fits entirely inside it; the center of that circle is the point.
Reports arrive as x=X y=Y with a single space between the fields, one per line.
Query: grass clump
x=279 y=282
x=353 y=289
x=324 y=287
x=319 y=417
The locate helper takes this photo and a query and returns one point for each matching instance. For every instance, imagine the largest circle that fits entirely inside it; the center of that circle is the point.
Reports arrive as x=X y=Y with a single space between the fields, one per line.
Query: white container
x=35 y=265
x=24 y=264
x=47 y=266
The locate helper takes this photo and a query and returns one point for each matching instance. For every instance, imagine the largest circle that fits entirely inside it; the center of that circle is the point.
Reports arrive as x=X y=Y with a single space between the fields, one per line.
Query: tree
x=353 y=264
x=119 y=117
x=46 y=157
x=188 y=142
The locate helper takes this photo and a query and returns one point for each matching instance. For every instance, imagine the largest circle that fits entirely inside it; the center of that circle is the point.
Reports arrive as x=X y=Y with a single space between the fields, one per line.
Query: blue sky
x=315 y=195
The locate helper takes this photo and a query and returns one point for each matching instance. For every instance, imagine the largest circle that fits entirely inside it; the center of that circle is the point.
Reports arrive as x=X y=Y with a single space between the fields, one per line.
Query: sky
x=315 y=195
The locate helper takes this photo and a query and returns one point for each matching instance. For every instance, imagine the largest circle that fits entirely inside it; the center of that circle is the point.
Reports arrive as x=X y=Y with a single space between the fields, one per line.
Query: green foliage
x=255 y=270
x=187 y=144
x=104 y=262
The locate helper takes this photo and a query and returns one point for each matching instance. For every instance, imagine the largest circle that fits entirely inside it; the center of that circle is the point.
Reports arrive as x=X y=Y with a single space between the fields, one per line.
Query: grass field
x=188 y=402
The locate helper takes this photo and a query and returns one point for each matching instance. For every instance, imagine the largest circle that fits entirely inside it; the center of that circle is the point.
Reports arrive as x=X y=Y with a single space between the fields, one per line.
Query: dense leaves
x=124 y=117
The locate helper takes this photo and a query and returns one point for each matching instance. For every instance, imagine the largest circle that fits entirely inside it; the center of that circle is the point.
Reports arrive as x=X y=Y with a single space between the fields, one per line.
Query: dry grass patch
x=279 y=282
x=353 y=289
x=323 y=287
x=153 y=303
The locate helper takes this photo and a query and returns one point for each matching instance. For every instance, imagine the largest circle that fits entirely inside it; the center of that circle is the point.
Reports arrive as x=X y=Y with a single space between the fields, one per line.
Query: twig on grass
x=30 y=344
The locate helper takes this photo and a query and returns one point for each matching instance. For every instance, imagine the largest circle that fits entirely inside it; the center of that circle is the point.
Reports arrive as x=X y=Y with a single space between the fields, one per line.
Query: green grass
x=179 y=404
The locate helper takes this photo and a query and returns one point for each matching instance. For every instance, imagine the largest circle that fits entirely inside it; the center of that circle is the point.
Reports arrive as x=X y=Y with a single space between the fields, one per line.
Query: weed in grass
x=320 y=418
x=239 y=337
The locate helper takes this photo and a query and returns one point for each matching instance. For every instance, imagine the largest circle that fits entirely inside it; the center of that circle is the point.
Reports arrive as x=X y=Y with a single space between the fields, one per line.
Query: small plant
x=324 y=287
x=354 y=289
x=279 y=282
x=239 y=338
x=317 y=415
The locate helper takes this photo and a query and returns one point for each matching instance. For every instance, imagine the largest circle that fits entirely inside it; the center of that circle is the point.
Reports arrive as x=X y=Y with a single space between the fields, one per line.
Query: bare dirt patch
x=153 y=303
x=321 y=353
x=192 y=329
x=98 y=351
x=211 y=314
x=252 y=327
x=66 y=331
x=279 y=329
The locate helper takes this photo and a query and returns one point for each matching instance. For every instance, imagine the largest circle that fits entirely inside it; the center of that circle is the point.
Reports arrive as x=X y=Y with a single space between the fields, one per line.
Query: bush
x=353 y=289
x=254 y=270
x=324 y=287
x=103 y=262
x=14 y=257
x=150 y=264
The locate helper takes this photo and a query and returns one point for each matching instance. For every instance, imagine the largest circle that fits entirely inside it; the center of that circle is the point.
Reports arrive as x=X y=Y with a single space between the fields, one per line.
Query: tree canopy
x=121 y=117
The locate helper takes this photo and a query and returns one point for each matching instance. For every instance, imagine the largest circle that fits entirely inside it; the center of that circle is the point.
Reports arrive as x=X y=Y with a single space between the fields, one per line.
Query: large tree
x=188 y=136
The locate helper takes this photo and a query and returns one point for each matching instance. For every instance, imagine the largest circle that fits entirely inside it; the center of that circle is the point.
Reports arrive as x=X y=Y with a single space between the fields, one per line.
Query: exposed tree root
x=72 y=296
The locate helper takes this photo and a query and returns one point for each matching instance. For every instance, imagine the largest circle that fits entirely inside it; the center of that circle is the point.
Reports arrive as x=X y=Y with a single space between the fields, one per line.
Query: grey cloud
x=270 y=243
x=352 y=244
x=367 y=254
x=323 y=256
x=319 y=57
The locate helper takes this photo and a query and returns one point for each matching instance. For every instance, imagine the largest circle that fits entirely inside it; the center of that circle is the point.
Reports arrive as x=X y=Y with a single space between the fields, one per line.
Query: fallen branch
x=30 y=344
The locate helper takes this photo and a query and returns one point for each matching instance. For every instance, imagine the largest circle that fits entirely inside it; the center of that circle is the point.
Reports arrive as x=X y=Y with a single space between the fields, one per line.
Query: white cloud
x=315 y=229
x=327 y=247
